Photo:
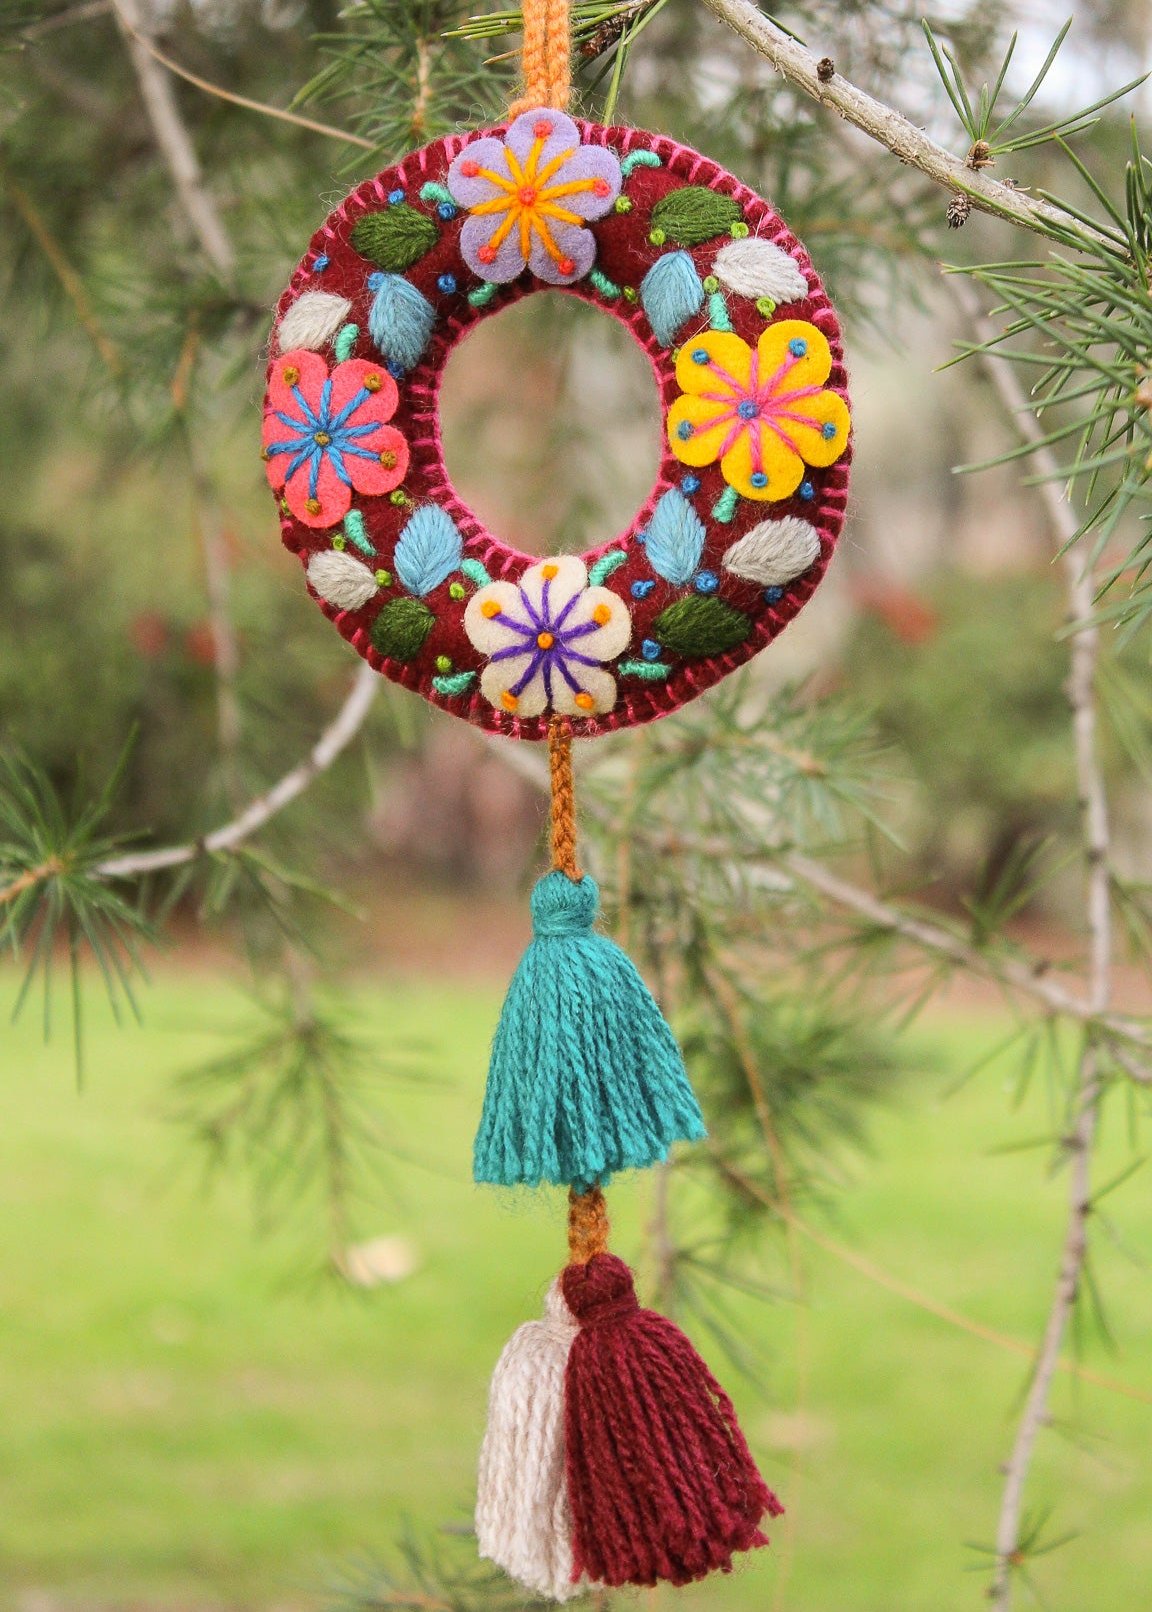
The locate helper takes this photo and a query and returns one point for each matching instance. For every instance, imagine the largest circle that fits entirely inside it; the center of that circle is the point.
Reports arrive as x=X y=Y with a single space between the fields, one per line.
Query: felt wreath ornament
x=612 y=1455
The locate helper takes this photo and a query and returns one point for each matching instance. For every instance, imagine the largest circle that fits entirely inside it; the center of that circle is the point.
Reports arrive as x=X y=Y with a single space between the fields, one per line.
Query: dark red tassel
x=661 y=1483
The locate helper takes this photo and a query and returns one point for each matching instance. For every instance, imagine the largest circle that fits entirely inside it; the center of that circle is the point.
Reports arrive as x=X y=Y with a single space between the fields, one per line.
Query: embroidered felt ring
x=746 y=351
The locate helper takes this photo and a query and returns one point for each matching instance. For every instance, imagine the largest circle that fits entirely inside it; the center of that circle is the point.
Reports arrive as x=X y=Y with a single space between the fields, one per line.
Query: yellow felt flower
x=764 y=414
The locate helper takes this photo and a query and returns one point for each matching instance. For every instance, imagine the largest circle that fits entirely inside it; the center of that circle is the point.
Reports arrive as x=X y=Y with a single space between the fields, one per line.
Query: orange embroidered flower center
x=531 y=201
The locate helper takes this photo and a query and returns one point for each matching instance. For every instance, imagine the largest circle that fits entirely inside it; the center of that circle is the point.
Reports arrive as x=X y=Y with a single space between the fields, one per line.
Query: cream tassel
x=523 y=1521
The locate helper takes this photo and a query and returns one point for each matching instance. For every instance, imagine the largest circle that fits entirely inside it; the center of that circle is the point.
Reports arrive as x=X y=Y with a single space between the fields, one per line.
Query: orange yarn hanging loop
x=546 y=56
x=563 y=798
x=587 y=1225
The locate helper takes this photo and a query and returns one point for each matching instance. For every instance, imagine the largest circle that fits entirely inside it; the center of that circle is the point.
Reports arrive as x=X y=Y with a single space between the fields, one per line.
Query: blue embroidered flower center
x=319 y=435
x=748 y=410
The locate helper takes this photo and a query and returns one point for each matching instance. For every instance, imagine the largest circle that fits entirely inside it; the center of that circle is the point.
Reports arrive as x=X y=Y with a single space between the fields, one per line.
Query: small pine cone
x=980 y=155
x=606 y=35
x=958 y=209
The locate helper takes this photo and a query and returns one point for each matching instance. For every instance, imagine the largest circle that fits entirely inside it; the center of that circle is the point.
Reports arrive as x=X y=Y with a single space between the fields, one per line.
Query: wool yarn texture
x=586 y=1077
x=523 y=1519
x=774 y=552
x=661 y=1482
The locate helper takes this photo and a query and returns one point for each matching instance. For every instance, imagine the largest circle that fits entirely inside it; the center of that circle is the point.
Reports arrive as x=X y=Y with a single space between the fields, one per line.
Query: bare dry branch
x=1081 y=691
x=336 y=737
x=889 y=127
x=1013 y=974
x=174 y=141
x=246 y=101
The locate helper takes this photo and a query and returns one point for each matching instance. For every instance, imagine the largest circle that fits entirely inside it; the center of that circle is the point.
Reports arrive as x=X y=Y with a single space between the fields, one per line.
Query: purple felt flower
x=528 y=197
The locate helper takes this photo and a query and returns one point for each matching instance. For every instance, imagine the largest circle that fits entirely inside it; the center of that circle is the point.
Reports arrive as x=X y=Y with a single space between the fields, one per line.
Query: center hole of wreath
x=551 y=424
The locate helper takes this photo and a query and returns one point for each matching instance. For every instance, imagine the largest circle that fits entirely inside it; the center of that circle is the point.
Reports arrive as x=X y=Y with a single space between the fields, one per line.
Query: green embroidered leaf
x=651 y=671
x=603 y=568
x=475 y=572
x=453 y=683
x=694 y=214
x=700 y=625
x=395 y=239
x=639 y=159
x=401 y=628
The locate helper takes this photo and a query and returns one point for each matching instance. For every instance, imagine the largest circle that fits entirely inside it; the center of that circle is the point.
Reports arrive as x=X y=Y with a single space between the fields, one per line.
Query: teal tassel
x=586 y=1077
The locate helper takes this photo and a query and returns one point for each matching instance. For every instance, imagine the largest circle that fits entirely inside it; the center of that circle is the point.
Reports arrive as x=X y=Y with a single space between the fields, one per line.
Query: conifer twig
x=891 y=129
x=175 y=142
x=336 y=737
x=1082 y=695
x=880 y=1277
x=1027 y=978
x=179 y=154
x=70 y=282
x=282 y=114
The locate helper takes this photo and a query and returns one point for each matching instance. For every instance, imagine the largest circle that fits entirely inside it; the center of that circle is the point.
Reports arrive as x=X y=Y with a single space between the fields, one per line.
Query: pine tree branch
x=212 y=537
x=249 y=105
x=882 y=123
x=1025 y=978
x=880 y=1277
x=174 y=141
x=176 y=148
x=1011 y=973
x=1082 y=695
x=84 y=12
x=336 y=737
x=31 y=877
x=71 y=283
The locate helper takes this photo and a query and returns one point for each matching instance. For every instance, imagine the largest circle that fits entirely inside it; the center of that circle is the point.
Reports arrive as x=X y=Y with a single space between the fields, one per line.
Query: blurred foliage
x=135 y=653
x=989 y=756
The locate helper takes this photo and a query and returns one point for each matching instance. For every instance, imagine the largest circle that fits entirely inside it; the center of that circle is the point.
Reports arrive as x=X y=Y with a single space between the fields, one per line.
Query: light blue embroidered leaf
x=400 y=319
x=675 y=539
x=427 y=551
x=670 y=293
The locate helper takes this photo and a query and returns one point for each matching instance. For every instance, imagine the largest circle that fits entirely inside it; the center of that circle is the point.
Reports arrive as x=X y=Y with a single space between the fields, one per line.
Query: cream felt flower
x=547 y=639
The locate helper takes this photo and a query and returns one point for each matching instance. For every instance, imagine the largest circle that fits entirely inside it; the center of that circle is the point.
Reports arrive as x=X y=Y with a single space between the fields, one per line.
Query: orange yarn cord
x=563 y=798
x=587 y=1225
x=545 y=56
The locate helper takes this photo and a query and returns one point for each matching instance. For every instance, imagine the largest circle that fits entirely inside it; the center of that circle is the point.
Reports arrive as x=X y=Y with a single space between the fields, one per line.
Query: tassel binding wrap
x=586 y=1077
x=661 y=1483
x=523 y=1521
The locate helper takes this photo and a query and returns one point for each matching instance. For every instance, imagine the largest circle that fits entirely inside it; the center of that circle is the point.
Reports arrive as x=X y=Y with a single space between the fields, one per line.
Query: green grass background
x=188 y=1418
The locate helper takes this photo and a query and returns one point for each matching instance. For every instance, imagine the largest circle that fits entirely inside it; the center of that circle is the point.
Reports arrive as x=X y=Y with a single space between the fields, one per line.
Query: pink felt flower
x=529 y=195
x=325 y=435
